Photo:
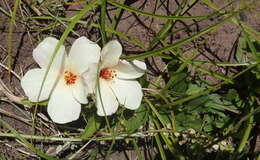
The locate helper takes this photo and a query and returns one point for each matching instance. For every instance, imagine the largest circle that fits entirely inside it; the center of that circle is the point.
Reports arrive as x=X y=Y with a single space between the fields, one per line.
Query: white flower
x=65 y=85
x=117 y=81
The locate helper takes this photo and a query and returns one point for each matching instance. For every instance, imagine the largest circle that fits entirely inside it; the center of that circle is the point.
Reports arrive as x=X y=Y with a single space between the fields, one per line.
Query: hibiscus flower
x=65 y=85
x=117 y=81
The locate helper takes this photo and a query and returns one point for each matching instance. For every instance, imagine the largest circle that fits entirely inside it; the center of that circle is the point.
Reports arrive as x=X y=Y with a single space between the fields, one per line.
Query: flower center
x=70 y=78
x=107 y=73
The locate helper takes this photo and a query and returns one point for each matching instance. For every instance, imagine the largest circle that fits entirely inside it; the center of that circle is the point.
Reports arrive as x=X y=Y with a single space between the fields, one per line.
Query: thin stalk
x=118 y=136
x=247 y=132
x=117 y=16
x=137 y=150
x=159 y=144
x=103 y=22
x=5 y=12
x=10 y=36
x=80 y=150
x=165 y=139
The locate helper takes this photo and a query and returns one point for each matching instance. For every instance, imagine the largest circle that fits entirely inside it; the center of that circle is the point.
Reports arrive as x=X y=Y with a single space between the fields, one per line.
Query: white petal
x=130 y=70
x=80 y=91
x=109 y=102
x=43 y=53
x=90 y=77
x=110 y=54
x=83 y=52
x=63 y=107
x=128 y=92
x=32 y=81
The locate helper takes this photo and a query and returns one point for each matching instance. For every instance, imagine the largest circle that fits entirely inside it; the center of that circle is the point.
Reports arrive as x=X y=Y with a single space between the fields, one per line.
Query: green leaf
x=137 y=120
x=220 y=122
x=195 y=103
x=221 y=105
x=187 y=120
x=194 y=88
x=241 y=53
x=216 y=112
x=231 y=95
x=178 y=82
x=248 y=50
x=165 y=116
x=256 y=71
x=208 y=128
x=208 y=123
x=93 y=125
x=29 y=103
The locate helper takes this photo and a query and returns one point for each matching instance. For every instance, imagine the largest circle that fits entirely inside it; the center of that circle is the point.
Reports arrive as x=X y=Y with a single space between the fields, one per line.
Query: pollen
x=107 y=73
x=70 y=78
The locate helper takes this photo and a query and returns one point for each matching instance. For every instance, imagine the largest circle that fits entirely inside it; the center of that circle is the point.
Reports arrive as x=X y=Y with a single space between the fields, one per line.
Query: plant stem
x=247 y=130
x=103 y=22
